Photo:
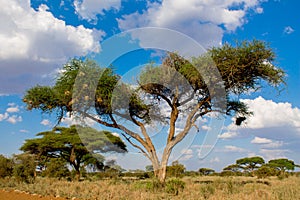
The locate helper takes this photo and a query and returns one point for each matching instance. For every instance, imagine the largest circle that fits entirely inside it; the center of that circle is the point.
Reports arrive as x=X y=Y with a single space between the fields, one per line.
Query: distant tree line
x=61 y=153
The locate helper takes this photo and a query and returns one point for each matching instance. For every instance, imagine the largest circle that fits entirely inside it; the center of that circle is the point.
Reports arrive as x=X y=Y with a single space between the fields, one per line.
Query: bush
x=174 y=185
x=56 y=168
x=24 y=169
x=154 y=185
x=264 y=172
x=6 y=166
x=175 y=170
x=207 y=191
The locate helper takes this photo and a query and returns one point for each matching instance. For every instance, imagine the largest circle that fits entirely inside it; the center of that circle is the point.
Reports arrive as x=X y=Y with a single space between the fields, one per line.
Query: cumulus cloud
x=234 y=149
x=73 y=120
x=10 y=115
x=3 y=116
x=45 y=122
x=89 y=9
x=267 y=143
x=34 y=42
x=271 y=120
x=288 y=30
x=215 y=160
x=205 y=21
x=14 y=119
x=13 y=109
x=258 y=140
x=270 y=154
x=186 y=154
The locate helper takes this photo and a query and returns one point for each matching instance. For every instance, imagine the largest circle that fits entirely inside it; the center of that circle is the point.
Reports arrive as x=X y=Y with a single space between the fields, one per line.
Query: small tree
x=206 y=171
x=65 y=143
x=57 y=168
x=6 y=166
x=25 y=167
x=233 y=168
x=149 y=168
x=265 y=171
x=176 y=169
x=191 y=96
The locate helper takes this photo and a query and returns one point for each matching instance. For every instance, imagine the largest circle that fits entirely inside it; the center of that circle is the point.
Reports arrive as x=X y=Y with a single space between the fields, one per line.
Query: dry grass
x=213 y=188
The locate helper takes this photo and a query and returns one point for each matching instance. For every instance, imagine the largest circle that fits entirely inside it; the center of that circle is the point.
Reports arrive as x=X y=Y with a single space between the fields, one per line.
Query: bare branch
x=136 y=146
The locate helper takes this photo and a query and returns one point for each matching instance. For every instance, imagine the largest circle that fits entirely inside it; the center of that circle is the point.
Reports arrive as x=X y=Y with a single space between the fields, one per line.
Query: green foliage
x=206 y=171
x=24 y=169
x=6 y=166
x=282 y=165
x=207 y=191
x=65 y=143
x=56 y=167
x=175 y=170
x=244 y=65
x=153 y=185
x=249 y=164
x=174 y=186
x=149 y=168
x=265 y=171
x=233 y=168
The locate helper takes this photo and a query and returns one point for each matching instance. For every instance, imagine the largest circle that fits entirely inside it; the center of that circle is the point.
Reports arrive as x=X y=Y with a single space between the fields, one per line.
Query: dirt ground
x=18 y=195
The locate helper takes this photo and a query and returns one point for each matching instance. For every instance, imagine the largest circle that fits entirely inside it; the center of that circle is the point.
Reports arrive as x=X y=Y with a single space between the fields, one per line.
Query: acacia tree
x=206 y=171
x=177 y=84
x=65 y=143
x=250 y=163
x=282 y=164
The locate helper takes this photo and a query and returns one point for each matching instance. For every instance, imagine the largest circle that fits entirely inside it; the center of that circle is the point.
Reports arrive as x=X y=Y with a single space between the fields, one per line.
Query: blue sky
x=37 y=37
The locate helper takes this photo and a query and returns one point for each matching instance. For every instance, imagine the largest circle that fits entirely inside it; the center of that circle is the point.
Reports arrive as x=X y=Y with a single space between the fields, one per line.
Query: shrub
x=174 y=185
x=6 y=166
x=24 y=169
x=154 y=185
x=56 y=168
x=207 y=191
x=264 y=172
x=176 y=169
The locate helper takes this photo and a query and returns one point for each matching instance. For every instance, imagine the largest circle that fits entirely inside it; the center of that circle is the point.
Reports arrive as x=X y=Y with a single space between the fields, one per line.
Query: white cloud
x=24 y=131
x=72 y=120
x=89 y=9
x=34 y=42
x=259 y=10
x=45 y=122
x=3 y=116
x=258 y=140
x=205 y=21
x=235 y=149
x=14 y=119
x=267 y=143
x=288 y=30
x=269 y=154
x=186 y=154
x=275 y=121
x=13 y=109
x=215 y=160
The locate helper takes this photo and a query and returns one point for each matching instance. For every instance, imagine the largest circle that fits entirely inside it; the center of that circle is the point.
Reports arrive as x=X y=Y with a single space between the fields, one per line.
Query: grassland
x=200 y=187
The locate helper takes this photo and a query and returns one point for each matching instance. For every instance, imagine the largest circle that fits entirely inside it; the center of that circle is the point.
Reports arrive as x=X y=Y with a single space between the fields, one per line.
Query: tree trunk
x=160 y=169
x=77 y=176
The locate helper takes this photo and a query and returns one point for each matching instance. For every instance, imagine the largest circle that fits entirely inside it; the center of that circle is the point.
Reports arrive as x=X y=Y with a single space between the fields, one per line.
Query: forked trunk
x=160 y=169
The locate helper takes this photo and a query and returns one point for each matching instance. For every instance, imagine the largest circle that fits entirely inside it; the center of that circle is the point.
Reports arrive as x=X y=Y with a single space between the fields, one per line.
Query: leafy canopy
x=67 y=144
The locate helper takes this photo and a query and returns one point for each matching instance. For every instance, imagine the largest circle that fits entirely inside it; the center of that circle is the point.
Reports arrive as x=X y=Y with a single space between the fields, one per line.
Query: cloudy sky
x=37 y=37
